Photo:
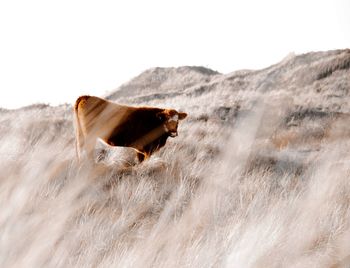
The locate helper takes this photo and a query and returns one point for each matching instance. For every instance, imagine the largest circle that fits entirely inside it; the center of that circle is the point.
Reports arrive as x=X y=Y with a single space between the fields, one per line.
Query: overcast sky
x=54 y=51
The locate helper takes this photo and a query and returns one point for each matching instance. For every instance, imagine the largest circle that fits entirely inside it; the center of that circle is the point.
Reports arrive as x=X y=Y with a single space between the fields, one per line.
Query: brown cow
x=145 y=129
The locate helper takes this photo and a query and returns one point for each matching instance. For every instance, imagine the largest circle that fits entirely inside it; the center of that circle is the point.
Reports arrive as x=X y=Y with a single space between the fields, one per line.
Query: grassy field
x=258 y=177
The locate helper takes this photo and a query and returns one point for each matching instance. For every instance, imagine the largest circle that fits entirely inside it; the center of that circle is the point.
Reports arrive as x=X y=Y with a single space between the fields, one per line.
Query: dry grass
x=258 y=177
x=200 y=202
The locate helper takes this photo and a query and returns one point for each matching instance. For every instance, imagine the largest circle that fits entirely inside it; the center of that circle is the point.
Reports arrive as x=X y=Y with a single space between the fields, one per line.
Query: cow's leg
x=89 y=146
x=79 y=146
x=141 y=156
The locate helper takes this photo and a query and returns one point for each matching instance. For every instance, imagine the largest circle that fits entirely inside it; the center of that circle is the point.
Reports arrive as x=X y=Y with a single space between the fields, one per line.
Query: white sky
x=54 y=51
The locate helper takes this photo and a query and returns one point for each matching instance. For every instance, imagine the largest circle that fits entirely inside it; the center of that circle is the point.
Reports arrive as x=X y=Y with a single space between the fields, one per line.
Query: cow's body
x=145 y=129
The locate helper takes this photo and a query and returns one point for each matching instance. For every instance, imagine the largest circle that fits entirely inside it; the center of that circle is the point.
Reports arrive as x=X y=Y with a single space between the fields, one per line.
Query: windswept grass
x=258 y=176
x=208 y=199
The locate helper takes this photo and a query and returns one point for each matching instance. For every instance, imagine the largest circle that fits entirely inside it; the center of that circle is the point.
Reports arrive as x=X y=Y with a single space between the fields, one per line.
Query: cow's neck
x=152 y=136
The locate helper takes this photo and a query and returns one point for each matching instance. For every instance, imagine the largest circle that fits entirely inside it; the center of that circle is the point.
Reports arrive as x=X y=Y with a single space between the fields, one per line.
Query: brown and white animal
x=145 y=129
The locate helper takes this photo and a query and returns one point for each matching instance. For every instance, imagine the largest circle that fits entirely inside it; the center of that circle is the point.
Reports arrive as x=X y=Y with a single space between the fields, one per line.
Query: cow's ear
x=182 y=116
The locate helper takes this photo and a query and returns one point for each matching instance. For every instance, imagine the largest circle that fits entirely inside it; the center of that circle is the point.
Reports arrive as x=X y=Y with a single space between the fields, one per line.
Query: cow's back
x=98 y=117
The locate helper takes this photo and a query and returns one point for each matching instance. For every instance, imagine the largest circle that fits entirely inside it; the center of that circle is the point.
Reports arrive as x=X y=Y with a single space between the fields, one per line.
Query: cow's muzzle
x=173 y=134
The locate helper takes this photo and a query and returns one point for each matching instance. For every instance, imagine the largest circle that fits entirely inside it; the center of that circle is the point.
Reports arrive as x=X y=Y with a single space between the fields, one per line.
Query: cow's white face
x=171 y=125
x=172 y=118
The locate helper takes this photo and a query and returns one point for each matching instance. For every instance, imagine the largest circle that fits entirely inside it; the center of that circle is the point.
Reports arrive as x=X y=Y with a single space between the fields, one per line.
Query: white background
x=54 y=51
